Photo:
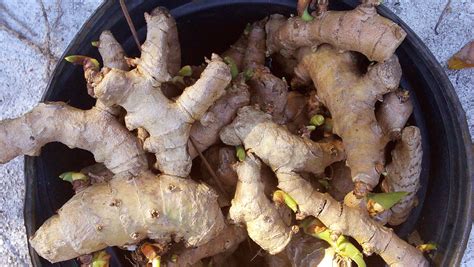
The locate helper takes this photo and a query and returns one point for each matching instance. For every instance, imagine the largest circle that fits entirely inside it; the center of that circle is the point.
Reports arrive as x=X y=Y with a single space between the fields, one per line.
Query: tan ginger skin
x=271 y=143
x=205 y=132
x=403 y=173
x=222 y=160
x=58 y=122
x=167 y=122
x=341 y=87
x=129 y=209
x=360 y=29
x=393 y=113
x=112 y=53
x=237 y=51
x=252 y=208
x=268 y=91
x=85 y=129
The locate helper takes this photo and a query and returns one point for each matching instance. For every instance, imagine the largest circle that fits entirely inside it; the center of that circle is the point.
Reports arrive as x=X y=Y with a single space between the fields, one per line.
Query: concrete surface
x=33 y=35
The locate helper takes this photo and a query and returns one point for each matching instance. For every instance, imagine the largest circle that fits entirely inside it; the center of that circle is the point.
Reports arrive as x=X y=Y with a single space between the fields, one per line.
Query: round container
x=444 y=211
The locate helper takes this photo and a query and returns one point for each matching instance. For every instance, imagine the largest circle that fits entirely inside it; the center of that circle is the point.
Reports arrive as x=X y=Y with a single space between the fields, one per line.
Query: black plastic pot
x=444 y=212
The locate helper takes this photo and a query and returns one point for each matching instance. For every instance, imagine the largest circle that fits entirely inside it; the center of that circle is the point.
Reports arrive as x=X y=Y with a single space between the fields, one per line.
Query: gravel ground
x=29 y=49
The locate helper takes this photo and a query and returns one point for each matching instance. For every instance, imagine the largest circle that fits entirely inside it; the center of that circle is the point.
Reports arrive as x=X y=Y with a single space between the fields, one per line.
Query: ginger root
x=341 y=87
x=360 y=29
x=275 y=145
x=205 y=132
x=393 y=113
x=268 y=91
x=403 y=173
x=112 y=53
x=98 y=173
x=287 y=155
x=236 y=52
x=58 y=122
x=255 y=51
x=129 y=209
x=167 y=122
x=296 y=111
x=251 y=207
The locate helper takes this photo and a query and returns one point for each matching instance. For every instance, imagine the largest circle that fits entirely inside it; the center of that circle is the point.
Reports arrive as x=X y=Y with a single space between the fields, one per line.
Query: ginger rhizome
x=350 y=97
x=360 y=29
x=251 y=207
x=271 y=155
x=112 y=53
x=287 y=155
x=129 y=209
x=393 y=113
x=58 y=122
x=403 y=173
x=167 y=122
x=85 y=129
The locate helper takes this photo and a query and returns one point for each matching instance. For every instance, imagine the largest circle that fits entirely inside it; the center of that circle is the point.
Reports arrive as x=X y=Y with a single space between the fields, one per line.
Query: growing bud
x=317 y=120
x=280 y=196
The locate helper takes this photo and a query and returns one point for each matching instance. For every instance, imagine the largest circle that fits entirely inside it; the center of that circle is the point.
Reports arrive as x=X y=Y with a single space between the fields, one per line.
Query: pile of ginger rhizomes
x=324 y=129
